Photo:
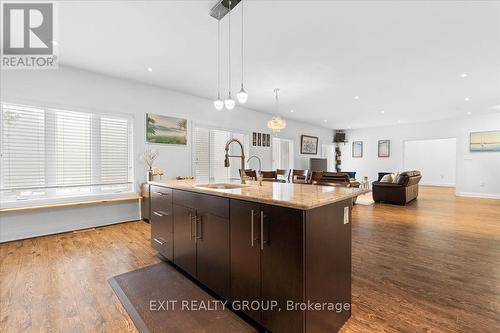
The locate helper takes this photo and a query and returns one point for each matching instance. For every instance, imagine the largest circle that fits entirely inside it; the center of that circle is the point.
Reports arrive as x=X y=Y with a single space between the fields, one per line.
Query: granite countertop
x=299 y=196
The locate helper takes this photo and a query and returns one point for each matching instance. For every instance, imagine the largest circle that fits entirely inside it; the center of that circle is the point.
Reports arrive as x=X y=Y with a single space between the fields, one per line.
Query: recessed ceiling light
x=291 y=111
x=469 y=113
x=463 y=75
x=467 y=99
x=150 y=69
x=356 y=97
x=382 y=112
x=325 y=121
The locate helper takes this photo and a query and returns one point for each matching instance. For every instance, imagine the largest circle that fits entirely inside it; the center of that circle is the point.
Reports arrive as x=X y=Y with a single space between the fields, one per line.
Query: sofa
x=402 y=191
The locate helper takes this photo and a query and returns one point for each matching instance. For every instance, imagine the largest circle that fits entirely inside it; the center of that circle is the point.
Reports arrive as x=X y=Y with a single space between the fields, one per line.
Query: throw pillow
x=387 y=178
x=395 y=177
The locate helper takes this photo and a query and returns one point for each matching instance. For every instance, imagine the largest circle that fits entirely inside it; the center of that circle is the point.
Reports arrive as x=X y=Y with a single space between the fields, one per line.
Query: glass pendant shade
x=218 y=104
x=230 y=103
x=276 y=124
x=242 y=96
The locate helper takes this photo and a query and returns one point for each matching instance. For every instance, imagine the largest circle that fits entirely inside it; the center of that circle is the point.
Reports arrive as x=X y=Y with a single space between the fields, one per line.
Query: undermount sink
x=222 y=186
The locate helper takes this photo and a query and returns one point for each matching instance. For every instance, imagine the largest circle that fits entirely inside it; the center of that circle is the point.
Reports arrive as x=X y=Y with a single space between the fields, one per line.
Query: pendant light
x=276 y=123
x=229 y=102
x=218 y=103
x=242 y=94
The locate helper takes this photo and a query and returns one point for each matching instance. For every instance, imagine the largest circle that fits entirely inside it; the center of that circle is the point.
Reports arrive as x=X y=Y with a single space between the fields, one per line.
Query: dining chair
x=268 y=174
x=316 y=177
x=283 y=174
x=299 y=176
x=251 y=173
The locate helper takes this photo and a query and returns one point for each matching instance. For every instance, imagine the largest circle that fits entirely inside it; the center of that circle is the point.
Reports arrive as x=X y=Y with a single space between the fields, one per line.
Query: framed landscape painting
x=308 y=144
x=485 y=141
x=357 y=149
x=166 y=130
x=384 y=148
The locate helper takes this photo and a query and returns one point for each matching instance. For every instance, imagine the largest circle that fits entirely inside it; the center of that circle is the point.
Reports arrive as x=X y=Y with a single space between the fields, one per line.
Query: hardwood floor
x=431 y=266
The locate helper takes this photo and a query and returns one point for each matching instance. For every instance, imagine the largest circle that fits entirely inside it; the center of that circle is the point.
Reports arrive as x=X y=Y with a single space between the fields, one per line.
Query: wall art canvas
x=308 y=144
x=485 y=141
x=384 y=148
x=166 y=130
x=357 y=149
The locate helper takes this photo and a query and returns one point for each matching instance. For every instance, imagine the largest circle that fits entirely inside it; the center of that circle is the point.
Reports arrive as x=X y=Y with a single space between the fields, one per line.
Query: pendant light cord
x=218 y=59
x=276 y=92
x=229 y=48
x=242 y=43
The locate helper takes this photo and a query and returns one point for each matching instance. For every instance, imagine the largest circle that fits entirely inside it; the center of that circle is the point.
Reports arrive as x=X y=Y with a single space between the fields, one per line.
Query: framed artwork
x=485 y=141
x=166 y=130
x=384 y=148
x=357 y=149
x=308 y=144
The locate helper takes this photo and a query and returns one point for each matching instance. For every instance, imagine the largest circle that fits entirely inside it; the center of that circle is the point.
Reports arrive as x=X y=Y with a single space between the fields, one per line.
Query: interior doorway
x=436 y=159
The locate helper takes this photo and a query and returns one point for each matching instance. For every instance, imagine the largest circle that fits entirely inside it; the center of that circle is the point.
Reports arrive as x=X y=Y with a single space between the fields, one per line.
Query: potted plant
x=149 y=156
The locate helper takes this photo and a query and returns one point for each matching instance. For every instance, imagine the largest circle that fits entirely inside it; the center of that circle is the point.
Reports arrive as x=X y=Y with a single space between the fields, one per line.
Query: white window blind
x=46 y=148
x=23 y=147
x=208 y=153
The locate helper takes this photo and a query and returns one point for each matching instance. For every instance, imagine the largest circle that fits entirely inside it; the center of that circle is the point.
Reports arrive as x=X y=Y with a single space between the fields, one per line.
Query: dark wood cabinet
x=282 y=267
x=246 y=251
x=245 y=254
x=267 y=261
x=201 y=238
x=161 y=223
x=213 y=252
x=184 y=238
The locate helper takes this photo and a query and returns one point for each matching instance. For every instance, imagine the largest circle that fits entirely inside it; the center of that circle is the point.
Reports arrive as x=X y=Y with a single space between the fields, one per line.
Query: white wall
x=477 y=174
x=436 y=159
x=74 y=88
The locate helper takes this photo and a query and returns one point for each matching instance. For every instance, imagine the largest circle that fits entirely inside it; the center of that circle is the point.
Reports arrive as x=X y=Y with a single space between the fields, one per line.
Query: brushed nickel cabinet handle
x=261 y=230
x=160 y=213
x=191 y=226
x=251 y=227
x=158 y=241
x=200 y=220
x=161 y=193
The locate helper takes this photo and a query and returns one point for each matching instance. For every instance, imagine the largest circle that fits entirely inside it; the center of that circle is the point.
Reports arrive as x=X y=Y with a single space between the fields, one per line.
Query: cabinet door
x=282 y=266
x=245 y=253
x=212 y=259
x=184 y=241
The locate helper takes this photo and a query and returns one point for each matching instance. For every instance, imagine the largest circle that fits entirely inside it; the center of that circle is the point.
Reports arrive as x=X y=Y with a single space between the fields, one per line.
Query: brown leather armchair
x=404 y=190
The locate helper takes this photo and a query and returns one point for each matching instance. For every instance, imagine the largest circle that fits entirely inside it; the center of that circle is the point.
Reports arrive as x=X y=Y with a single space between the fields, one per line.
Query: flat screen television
x=339 y=137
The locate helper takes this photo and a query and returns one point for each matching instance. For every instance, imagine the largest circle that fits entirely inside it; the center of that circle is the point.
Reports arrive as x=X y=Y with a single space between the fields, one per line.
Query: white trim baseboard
x=478 y=195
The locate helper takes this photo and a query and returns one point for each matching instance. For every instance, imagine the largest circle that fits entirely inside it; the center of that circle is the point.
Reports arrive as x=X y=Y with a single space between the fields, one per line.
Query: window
x=282 y=154
x=48 y=153
x=208 y=153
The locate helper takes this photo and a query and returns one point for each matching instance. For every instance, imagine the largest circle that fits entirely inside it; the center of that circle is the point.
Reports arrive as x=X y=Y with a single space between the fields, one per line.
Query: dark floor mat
x=145 y=293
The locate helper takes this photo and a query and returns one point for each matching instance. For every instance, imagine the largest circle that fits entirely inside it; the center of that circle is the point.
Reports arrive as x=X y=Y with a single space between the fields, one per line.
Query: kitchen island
x=280 y=252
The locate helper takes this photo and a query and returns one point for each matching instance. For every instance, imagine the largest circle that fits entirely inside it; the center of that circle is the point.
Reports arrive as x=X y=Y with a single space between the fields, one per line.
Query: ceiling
x=404 y=60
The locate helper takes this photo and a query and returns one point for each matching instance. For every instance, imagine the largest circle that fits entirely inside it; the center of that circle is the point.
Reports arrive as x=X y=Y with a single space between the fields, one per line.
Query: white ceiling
x=404 y=58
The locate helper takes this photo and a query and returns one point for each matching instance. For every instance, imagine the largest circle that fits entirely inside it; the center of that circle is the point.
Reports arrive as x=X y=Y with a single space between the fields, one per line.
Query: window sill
x=15 y=206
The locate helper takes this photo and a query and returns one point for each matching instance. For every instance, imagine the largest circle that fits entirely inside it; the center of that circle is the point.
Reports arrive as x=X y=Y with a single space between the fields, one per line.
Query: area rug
x=158 y=298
